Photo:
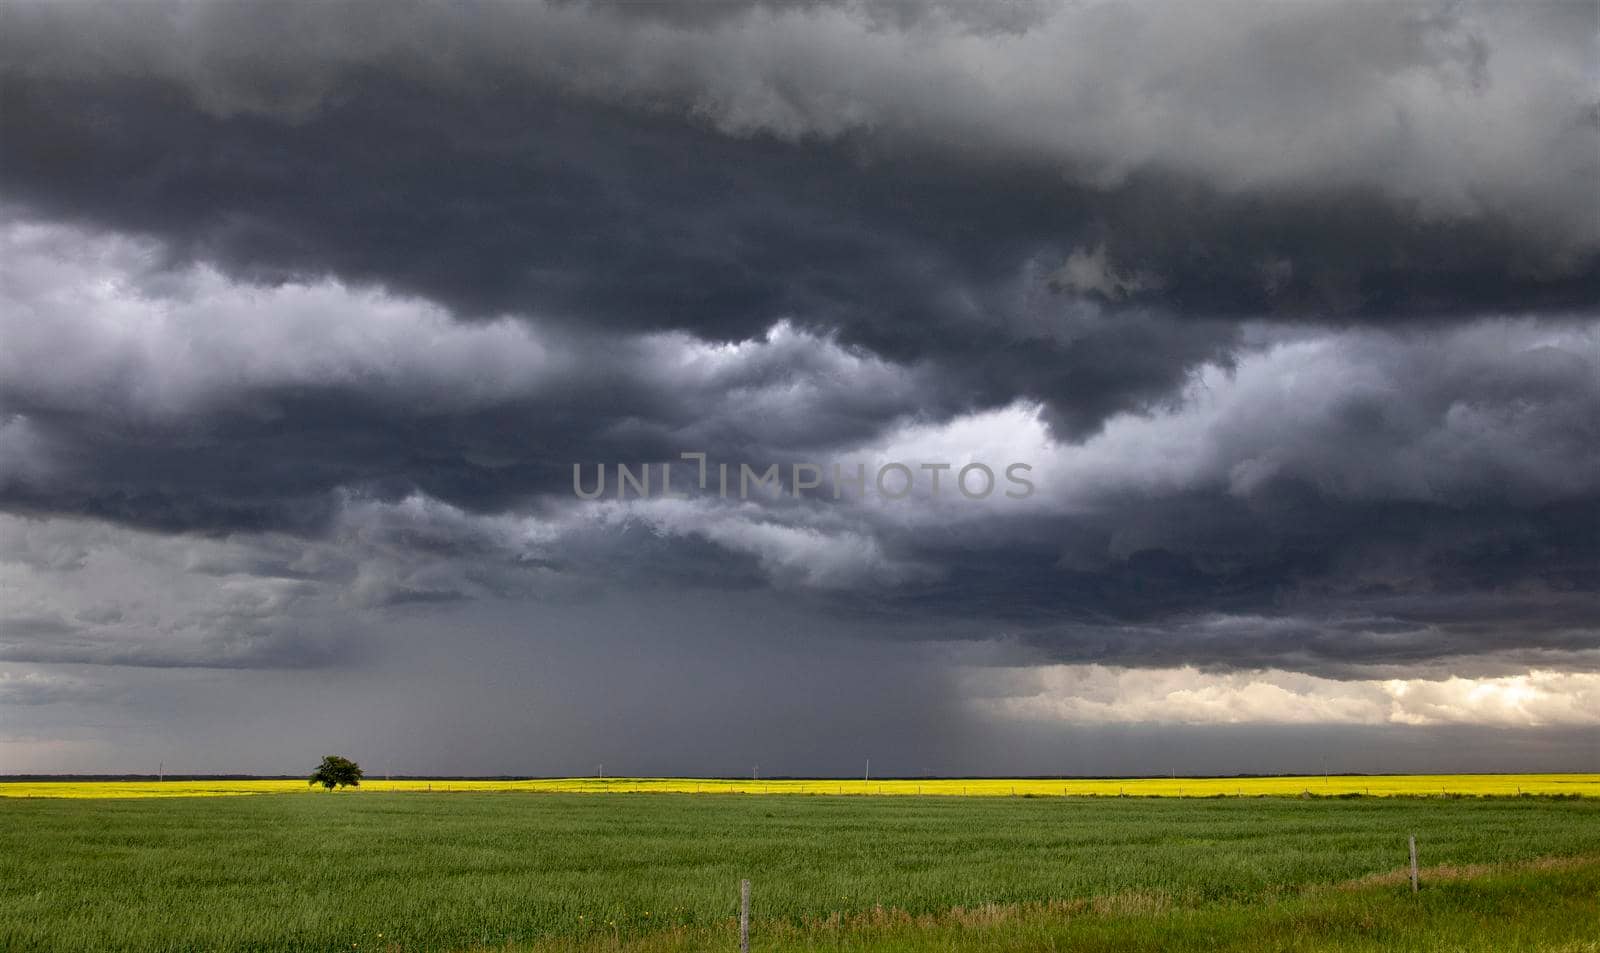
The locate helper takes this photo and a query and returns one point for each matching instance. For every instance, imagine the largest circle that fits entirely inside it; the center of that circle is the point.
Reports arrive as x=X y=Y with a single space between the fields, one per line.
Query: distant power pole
x=755 y=773
x=867 y=774
x=161 y=771
x=602 y=770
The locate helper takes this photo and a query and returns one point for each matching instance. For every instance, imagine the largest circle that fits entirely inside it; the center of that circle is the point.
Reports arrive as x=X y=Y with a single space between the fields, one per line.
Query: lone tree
x=336 y=771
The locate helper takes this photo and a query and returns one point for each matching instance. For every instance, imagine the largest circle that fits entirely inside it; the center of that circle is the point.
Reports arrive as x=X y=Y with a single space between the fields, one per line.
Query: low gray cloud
x=36 y=688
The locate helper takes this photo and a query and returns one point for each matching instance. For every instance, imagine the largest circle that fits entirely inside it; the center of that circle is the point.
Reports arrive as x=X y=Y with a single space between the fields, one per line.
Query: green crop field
x=397 y=871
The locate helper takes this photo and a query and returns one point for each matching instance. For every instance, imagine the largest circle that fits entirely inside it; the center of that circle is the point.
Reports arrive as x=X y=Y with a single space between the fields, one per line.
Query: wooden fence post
x=744 y=916
x=1413 y=863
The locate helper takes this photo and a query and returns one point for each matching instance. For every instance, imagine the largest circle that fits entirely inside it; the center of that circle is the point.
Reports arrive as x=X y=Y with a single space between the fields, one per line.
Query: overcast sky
x=1289 y=311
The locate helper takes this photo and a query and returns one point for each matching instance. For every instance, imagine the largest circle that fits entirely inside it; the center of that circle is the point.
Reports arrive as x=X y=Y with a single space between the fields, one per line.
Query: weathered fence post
x=1413 y=863
x=744 y=916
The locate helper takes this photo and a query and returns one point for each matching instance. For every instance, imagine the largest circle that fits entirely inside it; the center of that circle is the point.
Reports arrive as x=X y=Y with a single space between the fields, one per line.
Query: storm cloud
x=307 y=312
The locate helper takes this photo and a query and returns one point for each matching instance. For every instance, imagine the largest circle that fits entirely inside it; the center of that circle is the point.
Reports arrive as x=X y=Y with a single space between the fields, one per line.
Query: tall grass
x=324 y=872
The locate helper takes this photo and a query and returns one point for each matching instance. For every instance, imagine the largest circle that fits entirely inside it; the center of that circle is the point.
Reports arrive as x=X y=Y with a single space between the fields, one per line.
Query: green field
x=552 y=871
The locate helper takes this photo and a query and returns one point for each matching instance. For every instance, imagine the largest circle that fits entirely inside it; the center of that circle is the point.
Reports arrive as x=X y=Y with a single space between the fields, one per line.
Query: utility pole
x=867 y=775
x=755 y=773
x=161 y=771
x=602 y=770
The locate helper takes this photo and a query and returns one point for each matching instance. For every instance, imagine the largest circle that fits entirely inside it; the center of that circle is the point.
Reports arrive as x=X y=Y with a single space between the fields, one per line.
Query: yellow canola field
x=1421 y=784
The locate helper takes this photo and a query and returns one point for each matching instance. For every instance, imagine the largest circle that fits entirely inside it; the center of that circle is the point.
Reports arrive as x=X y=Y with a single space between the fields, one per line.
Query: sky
x=1151 y=387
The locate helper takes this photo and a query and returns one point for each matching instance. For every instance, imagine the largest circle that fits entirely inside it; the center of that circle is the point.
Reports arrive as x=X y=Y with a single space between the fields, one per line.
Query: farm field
x=1376 y=786
x=483 y=870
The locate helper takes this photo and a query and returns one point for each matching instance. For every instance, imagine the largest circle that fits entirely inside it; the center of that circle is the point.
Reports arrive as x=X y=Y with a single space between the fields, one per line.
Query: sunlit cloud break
x=1089 y=694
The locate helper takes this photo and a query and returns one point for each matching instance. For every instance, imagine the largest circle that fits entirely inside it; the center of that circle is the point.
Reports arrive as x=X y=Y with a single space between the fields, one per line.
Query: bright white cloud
x=95 y=321
x=794 y=547
x=1488 y=410
x=1098 y=694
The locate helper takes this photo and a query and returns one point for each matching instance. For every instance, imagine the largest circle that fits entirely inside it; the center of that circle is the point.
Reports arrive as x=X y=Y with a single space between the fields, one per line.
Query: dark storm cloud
x=310 y=308
x=591 y=216
x=717 y=195
x=1293 y=597
x=199 y=405
x=1009 y=16
x=1393 y=497
x=1387 y=478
